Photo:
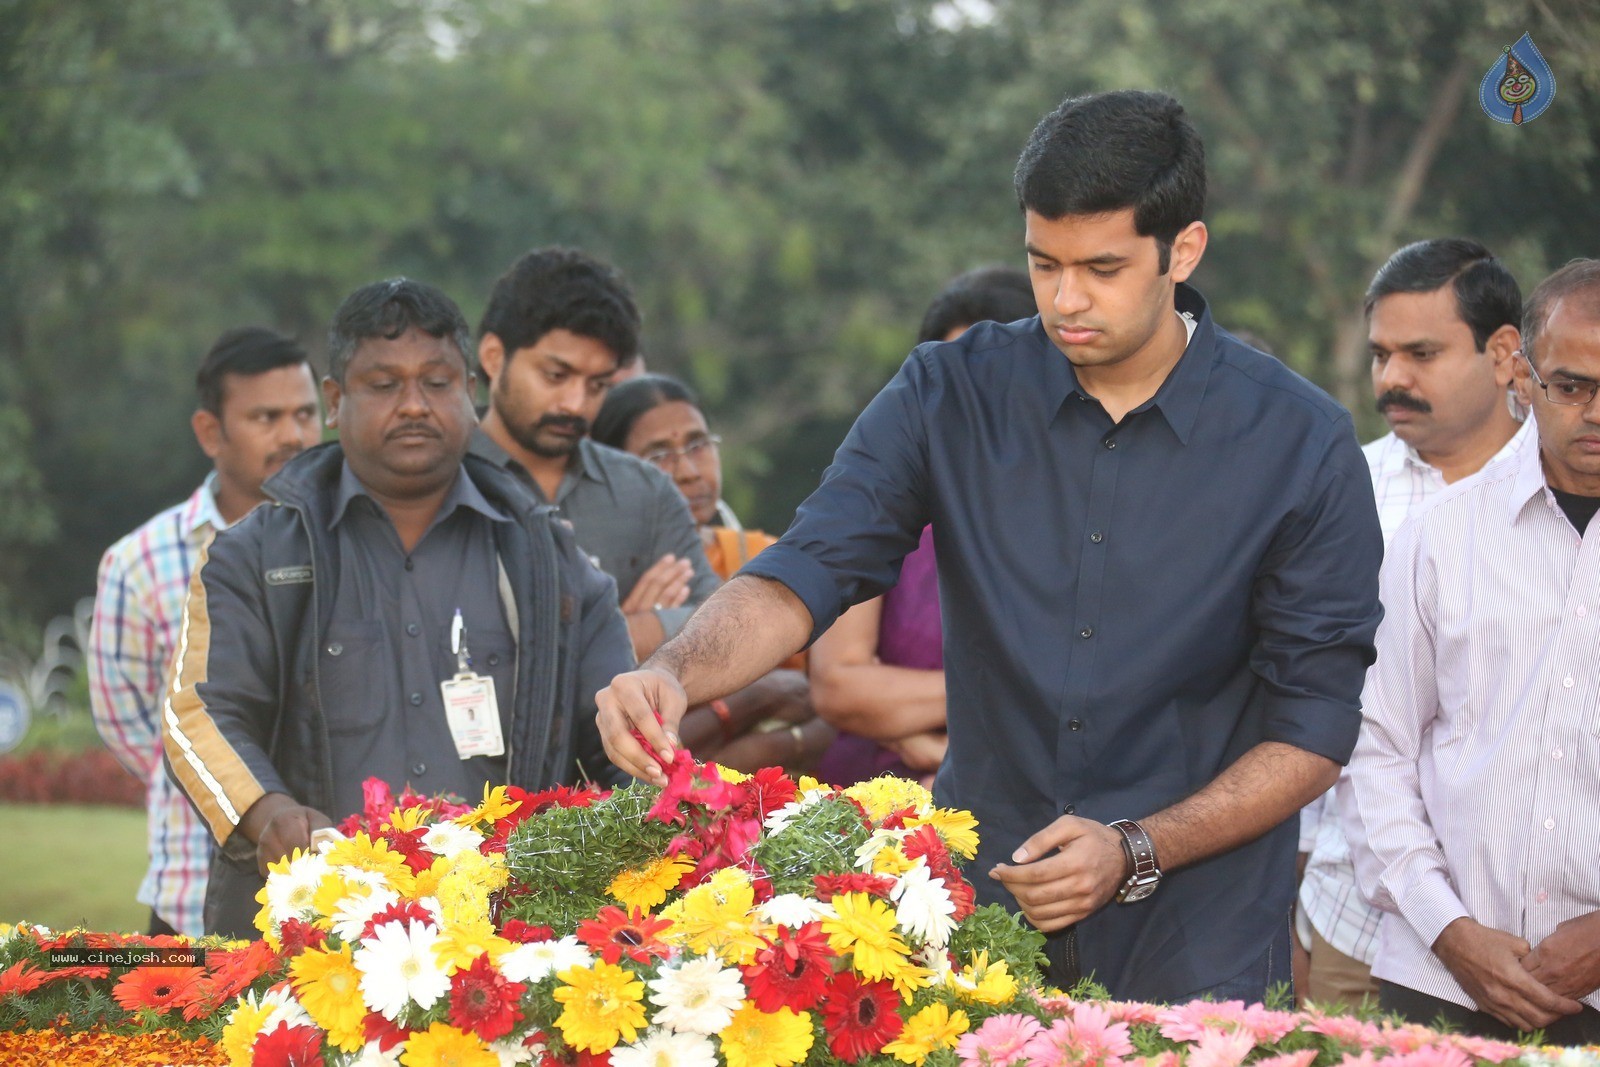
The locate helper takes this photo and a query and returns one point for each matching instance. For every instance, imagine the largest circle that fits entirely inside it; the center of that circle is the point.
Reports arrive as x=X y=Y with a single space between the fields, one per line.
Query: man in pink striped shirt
x=258 y=409
x=1473 y=807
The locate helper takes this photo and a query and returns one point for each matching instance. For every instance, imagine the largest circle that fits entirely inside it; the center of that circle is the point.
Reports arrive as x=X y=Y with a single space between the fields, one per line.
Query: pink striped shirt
x=138 y=608
x=1473 y=791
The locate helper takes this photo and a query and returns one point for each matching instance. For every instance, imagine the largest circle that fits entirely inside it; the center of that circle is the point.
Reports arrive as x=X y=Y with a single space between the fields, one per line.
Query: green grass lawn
x=66 y=865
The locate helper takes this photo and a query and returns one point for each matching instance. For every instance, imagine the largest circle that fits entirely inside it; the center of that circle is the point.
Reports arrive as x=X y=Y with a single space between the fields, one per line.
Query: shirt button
x=1097 y=537
x=1557 y=754
x=1070 y=809
x=335 y=649
x=1086 y=633
x=1566 y=683
x=1582 y=611
x=419 y=769
x=1540 y=897
x=413 y=629
x=494 y=659
x=416 y=699
x=1075 y=724
x=1549 y=824
x=410 y=565
x=1111 y=444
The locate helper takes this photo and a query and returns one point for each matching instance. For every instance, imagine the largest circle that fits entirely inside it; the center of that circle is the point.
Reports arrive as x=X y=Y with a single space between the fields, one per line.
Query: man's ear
x=1521 y=378
x=1187 y=248
x=491 y=357
x=1502 y=348
x=208 y=431
x=331 y=395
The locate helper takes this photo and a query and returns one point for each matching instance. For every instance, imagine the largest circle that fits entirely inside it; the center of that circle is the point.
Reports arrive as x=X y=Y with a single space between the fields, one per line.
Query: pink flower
x=1364 y=1060
x=1347 y=1030
x=1432 y=1055
x=1001 y=1040
x=1134 y=1011
x=1164 y=1059
x=1302 y=1058
x=1086 y=1038
x=1484 y=1049
x=1407 y=1038
x=1220 y=1048
x=1188 y=1022
x=1269 y=1027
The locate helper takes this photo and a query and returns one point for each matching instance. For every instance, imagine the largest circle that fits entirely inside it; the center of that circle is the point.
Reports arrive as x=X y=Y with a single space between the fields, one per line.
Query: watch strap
x=1141 y=853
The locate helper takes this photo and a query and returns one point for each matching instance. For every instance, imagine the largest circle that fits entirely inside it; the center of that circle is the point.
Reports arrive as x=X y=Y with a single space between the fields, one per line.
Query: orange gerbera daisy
x=158 y=988
x=21 y=978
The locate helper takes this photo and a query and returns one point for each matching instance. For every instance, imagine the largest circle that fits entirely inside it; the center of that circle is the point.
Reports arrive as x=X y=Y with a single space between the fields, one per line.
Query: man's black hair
x=388 y=309
x=1102 y=153
x=625 y=403
x=1487 y=296
x=563 y=289
x=987 y=294
x=1578 y=281
x=245 y=351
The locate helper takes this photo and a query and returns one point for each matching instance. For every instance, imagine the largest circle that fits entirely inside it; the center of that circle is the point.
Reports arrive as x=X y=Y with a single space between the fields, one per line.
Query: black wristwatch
x=1145 y=873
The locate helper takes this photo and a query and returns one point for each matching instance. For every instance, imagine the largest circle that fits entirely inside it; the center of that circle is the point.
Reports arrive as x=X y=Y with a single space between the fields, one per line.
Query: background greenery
x=785 y=181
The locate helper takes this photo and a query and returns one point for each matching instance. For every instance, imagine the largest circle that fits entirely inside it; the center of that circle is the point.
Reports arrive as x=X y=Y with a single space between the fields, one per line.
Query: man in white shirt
x=1473 y=806
x=1442 y=318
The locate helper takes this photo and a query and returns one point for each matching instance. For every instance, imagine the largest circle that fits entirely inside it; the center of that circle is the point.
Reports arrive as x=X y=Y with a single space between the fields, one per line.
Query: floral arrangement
x=751 y=921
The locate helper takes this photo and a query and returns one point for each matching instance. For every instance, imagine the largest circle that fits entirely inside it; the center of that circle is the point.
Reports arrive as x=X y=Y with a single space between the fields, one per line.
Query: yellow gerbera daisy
x=601 y=1005
x=239 y=1035
x=406 y=819
x=891 y=861
x=715 y=916
x=462 y=942
x=985 y=982
x=863 y=925
x=729 y=775
x=329 y=988
x=496 y=806
x=363 y=853
x=885 y=794
x=808 y=784
x=442 y=1045
x=958 y=829
x=647 y=887
x=934 y=1027
x=757 y=1038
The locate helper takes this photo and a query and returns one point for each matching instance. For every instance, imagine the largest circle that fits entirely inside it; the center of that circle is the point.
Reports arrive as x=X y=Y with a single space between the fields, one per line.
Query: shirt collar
x=464 y=493
x=1410 y=457
x=203 y=510
x=1529 y=481
x=1178 y=399
x=584 y=463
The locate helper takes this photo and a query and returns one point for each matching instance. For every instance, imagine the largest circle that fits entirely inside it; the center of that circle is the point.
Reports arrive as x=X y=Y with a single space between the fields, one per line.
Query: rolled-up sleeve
x=849 y=536
x=1316 y=605
x=1398 y=861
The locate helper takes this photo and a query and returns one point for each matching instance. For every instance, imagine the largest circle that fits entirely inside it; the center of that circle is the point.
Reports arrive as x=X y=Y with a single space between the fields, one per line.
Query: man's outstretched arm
x=744 y=630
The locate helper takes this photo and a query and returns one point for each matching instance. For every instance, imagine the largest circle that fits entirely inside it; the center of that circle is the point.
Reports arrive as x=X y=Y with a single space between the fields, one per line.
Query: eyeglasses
x=667 y=458
x=1563 y=391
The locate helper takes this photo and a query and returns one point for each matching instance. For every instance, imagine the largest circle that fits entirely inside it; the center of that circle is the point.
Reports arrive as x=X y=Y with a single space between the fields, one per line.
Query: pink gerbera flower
x=1189 y=1022
x=1087 y=1038
x=1221 y=1048
x=1001 y=1040
x=1347 y=1030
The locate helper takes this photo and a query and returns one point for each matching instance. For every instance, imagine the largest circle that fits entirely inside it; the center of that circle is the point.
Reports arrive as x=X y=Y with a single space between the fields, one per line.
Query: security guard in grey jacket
x=401 y=611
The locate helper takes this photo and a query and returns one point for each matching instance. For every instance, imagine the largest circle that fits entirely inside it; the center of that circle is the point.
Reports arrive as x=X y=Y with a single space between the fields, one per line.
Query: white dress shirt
x=1473 y=791
x=1329 y=899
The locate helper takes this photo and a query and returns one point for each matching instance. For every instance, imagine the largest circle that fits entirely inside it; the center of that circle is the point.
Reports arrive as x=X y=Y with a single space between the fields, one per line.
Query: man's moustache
x=1394 y=398
x=578 y=426
x=412 y=428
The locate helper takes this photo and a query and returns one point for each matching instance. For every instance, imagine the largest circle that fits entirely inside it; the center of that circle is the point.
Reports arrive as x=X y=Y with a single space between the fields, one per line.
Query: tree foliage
x=785 y=184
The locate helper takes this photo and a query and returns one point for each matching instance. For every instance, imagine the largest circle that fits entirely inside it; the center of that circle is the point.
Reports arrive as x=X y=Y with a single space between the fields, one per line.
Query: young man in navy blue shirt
x=1158 y=557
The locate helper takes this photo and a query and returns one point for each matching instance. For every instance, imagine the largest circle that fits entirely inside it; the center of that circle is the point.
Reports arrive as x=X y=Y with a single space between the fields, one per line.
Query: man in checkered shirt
x=258 y=409
x=1443 y=330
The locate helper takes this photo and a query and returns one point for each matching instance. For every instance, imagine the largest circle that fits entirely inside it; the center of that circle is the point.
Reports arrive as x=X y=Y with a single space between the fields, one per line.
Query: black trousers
x=1580 y=1029
x=159 y=926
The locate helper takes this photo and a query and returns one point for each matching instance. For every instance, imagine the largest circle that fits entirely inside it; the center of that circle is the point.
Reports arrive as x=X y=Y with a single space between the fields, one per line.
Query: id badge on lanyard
x=470 y=707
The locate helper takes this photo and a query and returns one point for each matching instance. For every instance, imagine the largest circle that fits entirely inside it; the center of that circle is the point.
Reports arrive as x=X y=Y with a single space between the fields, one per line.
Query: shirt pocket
x=355 y=687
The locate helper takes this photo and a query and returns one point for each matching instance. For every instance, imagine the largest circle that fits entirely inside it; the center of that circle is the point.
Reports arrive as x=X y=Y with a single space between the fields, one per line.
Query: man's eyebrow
x=1407 y=346
x=1567 y=375
x=1104 y=259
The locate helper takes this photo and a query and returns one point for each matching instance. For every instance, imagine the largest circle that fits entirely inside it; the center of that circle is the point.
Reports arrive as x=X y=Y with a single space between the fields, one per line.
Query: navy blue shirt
x=1128 y=607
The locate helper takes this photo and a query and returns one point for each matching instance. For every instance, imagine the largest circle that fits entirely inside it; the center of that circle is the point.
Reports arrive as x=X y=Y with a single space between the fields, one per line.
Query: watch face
x=1140 y=890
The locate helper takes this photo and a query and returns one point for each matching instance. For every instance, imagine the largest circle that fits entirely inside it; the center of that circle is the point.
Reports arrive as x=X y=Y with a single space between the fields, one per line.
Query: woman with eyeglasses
x=770 y=722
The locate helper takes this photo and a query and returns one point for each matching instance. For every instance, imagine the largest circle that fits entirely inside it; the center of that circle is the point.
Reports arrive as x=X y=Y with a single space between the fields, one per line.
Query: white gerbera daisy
x=290 y=893
x=285 y=1009
x=793 y=910
x=869 y=849
x=373 y=1056
x=698 y=995
x=937 y=960
x=447 y=839
x=398 y=966
x=664 y=1048
x=923 y=907
x=511 y=1052
x=533 y=962
x=351 y=915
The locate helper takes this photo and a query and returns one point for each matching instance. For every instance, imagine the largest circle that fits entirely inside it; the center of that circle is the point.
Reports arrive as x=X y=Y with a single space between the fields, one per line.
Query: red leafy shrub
x=46 y=776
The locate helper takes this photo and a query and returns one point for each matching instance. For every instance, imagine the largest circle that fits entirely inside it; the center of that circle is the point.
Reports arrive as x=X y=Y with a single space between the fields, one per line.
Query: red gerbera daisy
x=289 y=1046
x=896 y=819
x=157 y=988
x=21 y=978
x=593 y=1059
x=484 y=1001
x=228 y=973
x=408 y=843
x=763 y=793
x=829 y=884
x=860 y=1017
x=792 y=971
x=297 y=935
x=387 y=1034
x=403 y=911
x=524 y=934
x=614 y=933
